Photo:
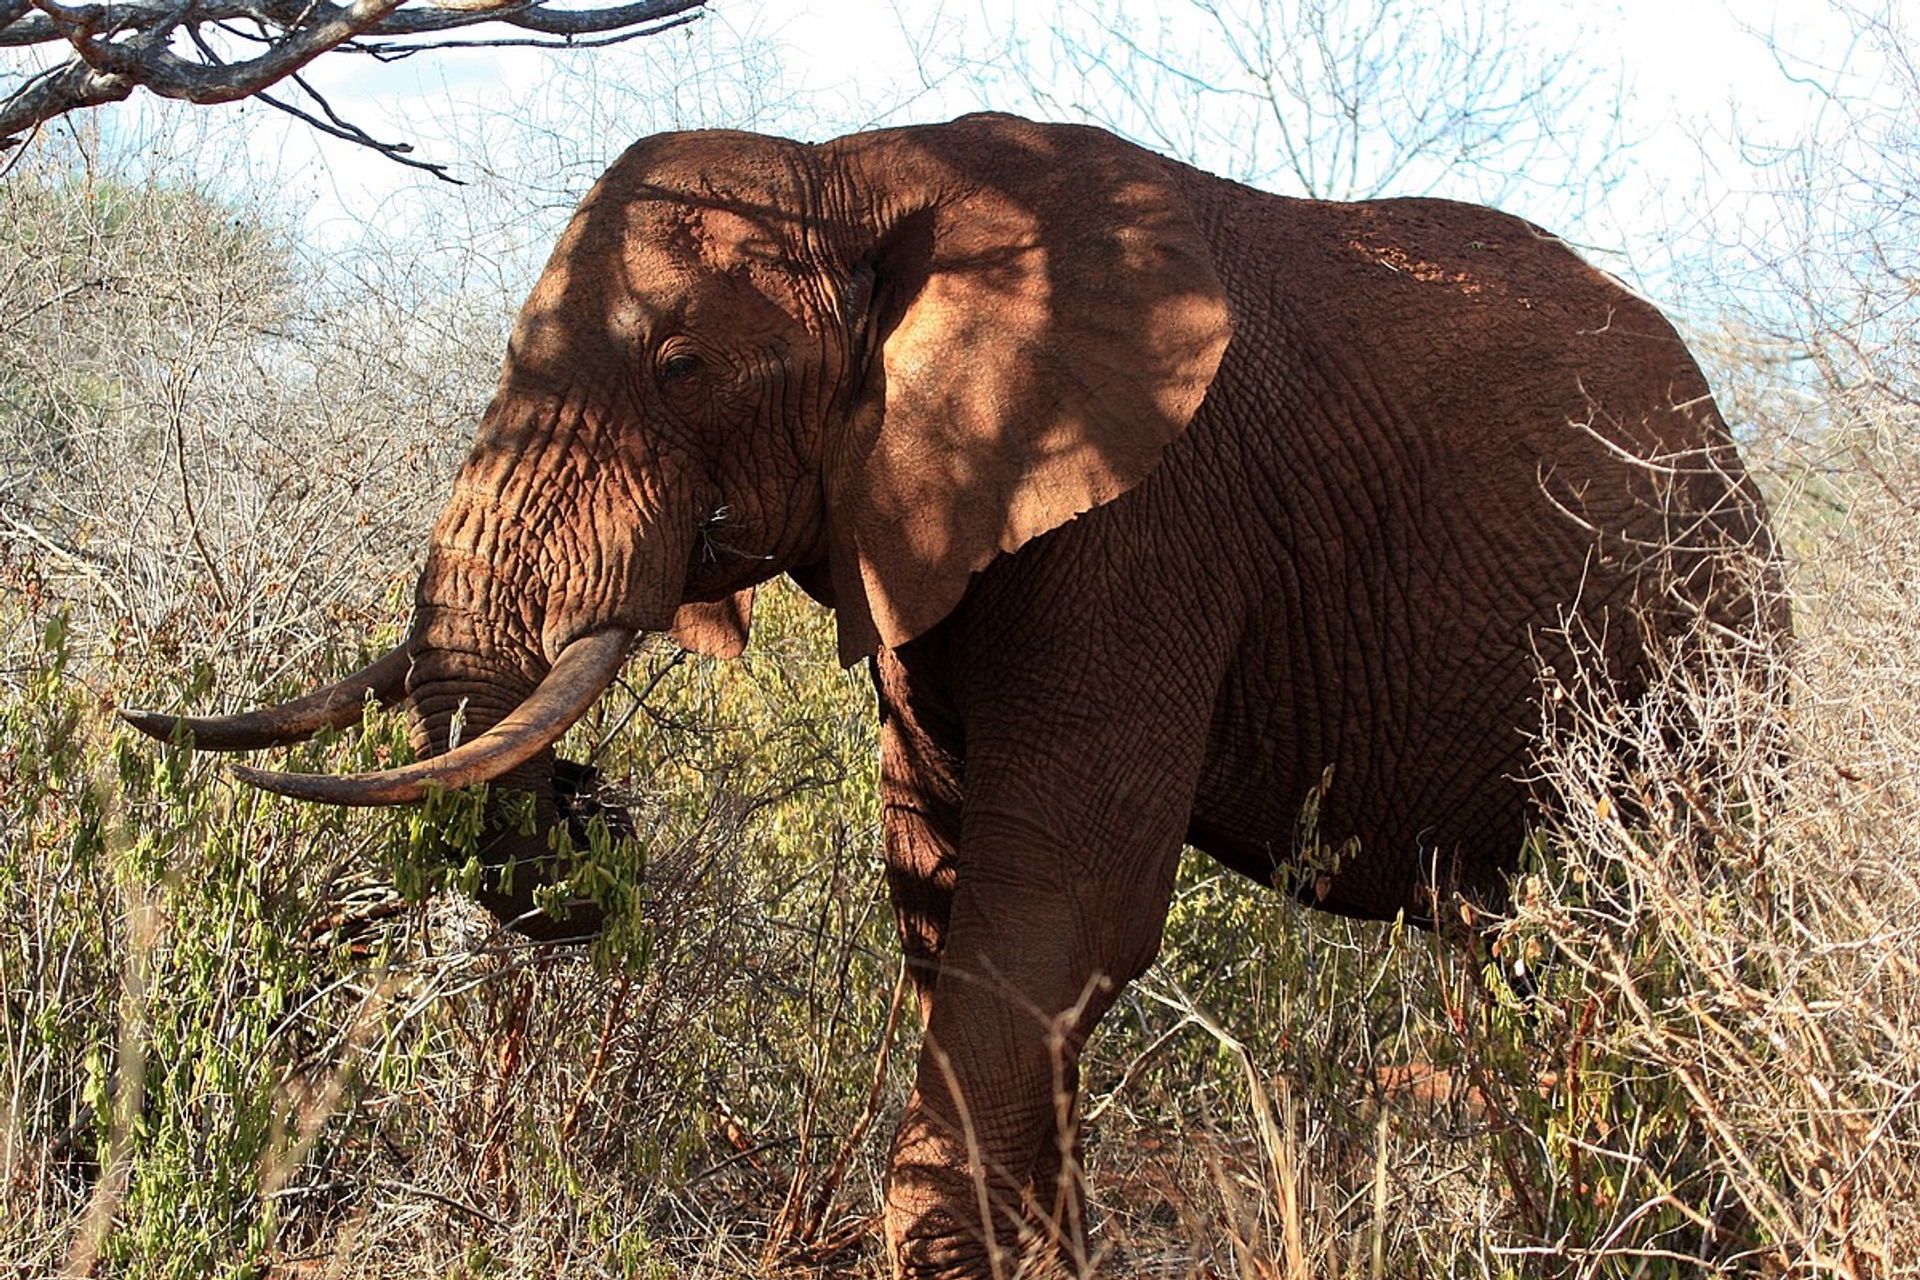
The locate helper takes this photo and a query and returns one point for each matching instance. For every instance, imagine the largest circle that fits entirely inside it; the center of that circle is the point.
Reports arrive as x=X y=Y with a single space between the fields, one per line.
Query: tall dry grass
x=249 y=1038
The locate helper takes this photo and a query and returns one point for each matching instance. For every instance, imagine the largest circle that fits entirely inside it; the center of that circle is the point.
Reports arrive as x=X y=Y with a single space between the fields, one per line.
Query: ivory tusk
x=584 y=670
x=334 y=707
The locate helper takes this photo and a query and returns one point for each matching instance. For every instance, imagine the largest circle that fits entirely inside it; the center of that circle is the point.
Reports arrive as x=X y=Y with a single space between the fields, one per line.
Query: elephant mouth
x=582 y=795
x=580 y=798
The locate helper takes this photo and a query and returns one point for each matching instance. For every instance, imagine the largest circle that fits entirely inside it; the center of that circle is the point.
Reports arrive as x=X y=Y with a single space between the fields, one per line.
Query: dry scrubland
x=243 y=1037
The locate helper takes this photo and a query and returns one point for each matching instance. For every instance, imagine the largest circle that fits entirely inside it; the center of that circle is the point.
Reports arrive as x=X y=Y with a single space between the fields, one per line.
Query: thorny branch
x=208 y=51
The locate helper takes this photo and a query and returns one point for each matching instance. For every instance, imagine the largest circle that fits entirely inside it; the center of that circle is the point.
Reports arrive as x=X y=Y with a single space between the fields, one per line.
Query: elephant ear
x=1042 y=318
x=719 y=629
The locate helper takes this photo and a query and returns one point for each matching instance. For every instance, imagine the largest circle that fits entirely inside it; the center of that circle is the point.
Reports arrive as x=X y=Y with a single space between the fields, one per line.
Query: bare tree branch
x=338 y=127
x=1336 y=99
x=208 y=51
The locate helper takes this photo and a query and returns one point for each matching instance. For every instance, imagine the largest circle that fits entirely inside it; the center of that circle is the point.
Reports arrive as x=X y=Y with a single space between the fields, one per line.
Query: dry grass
x=247 y=1038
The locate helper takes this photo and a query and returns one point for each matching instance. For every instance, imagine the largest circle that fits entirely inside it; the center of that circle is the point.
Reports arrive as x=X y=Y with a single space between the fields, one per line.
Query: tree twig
x=181 y=48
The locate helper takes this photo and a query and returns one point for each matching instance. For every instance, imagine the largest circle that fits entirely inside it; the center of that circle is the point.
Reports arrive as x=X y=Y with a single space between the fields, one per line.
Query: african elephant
x=1157 y=504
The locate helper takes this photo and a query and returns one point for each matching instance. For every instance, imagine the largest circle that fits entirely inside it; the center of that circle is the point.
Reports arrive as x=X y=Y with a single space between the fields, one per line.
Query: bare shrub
x=1332 y=99
x=1724 y=914
x=217 y=446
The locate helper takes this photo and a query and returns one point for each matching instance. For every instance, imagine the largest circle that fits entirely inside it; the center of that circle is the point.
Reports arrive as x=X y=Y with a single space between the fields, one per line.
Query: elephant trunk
x=461 y=701
x=534 y=591
x=540 y=575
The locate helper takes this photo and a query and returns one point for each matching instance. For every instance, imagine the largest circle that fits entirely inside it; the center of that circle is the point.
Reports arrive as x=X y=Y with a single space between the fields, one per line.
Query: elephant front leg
x=986 y=1159
x=921 y=829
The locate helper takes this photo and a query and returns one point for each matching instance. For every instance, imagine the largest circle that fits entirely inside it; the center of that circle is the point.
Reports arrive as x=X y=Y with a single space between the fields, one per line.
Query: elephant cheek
x=628 y=569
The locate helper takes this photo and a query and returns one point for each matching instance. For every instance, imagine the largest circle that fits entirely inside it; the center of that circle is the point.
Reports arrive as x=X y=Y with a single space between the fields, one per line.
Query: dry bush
x=246 y=1035
x=1736 y=950
x=218 y=444
x=1726 y=911
x=648 y=1108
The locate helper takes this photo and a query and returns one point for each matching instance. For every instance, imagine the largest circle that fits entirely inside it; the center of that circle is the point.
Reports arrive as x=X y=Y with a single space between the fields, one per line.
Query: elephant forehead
x=662 y=266
x=729 y=238
x=677 y=257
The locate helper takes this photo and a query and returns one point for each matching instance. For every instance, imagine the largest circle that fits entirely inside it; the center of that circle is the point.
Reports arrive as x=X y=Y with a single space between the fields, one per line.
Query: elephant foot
x=946 y=1246
x=946 y=1220
x=940 y=1245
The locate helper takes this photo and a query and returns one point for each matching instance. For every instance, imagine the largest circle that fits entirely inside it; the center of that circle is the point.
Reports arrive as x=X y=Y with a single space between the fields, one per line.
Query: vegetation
x=227 y=51
x=244 y=1037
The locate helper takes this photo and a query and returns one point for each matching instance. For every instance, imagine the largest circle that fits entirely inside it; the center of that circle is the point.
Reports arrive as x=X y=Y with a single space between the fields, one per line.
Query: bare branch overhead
x=223 y=50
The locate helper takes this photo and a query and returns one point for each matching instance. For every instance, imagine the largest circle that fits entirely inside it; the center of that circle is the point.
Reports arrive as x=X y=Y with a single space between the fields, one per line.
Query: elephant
x=1159 y=507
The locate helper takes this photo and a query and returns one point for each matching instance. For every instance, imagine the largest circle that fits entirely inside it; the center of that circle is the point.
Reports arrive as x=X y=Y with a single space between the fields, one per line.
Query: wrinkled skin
x=1151 y=499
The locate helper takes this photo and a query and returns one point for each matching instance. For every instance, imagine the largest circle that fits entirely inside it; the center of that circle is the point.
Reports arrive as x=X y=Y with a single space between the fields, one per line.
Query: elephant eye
x=678 y=367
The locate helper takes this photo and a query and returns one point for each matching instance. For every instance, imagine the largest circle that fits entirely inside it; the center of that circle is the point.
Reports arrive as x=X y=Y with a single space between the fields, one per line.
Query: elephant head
x=874 y=363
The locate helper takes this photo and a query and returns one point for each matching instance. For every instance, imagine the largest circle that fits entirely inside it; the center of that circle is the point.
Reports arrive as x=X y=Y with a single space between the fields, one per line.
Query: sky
x=1689 y=81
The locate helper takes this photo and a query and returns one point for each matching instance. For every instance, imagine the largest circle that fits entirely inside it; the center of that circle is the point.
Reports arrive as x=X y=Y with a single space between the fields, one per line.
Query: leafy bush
x=246 y=1037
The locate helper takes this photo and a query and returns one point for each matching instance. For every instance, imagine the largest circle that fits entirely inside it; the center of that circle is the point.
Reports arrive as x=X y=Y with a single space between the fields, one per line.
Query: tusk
x=585 y=669
x=334 y=707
